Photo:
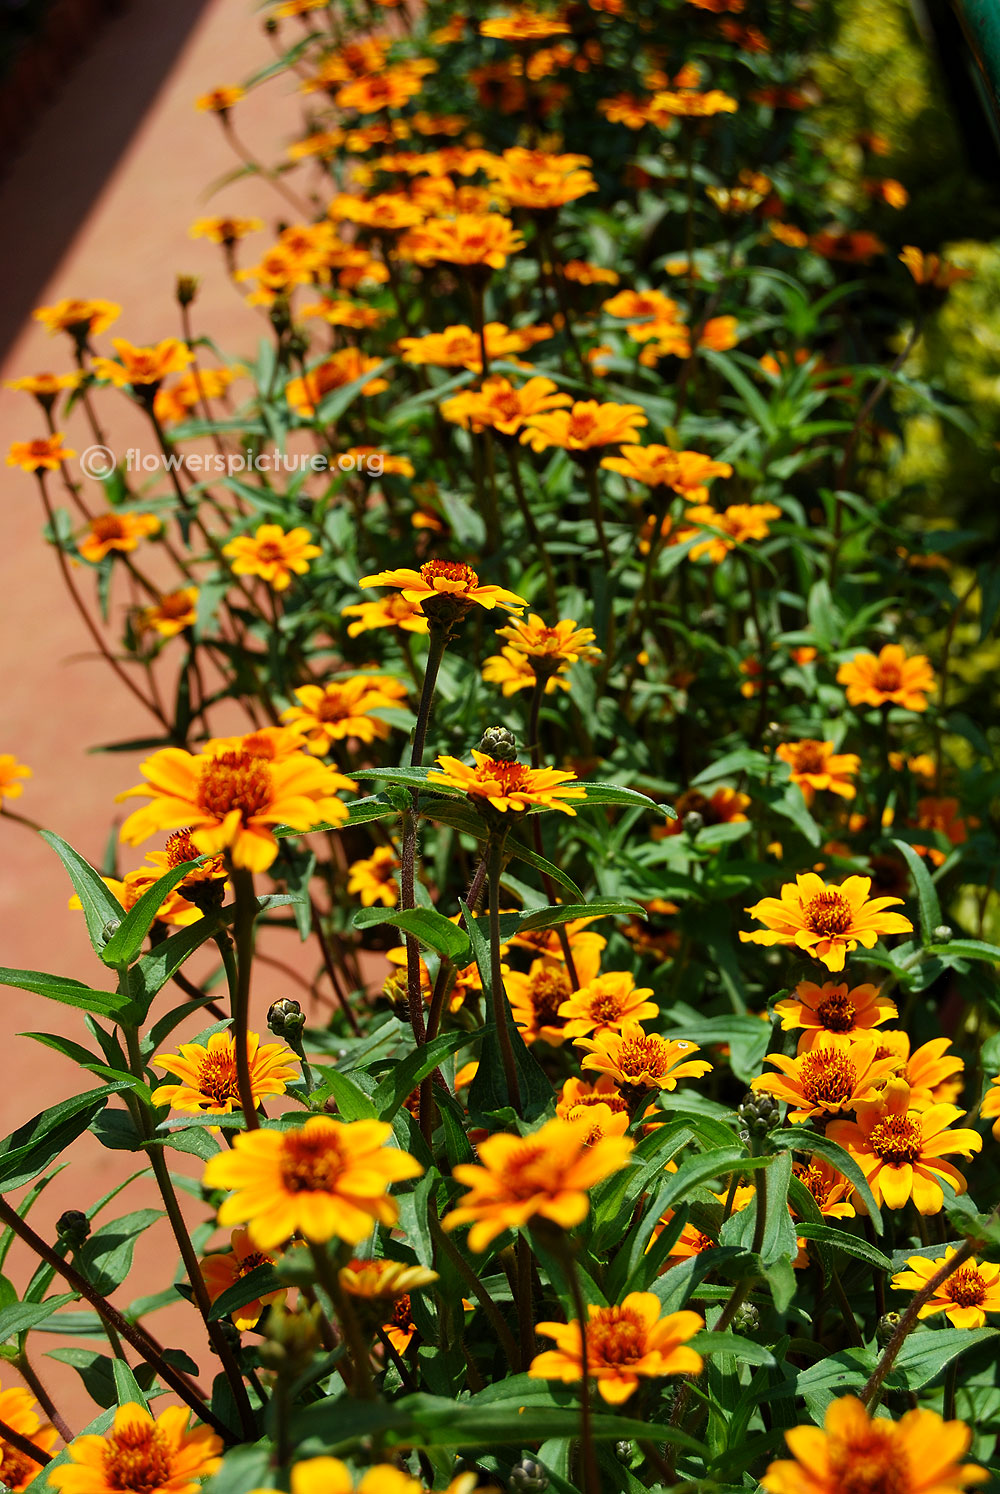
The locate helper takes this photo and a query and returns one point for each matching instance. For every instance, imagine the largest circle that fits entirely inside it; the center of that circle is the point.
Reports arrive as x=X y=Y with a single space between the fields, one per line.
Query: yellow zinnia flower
x=331 y=1476
x=330 y=713
x=172 y=613
x=230 y=799
x=373 y=878
x=478 y=241
x=140 y=1456
x=546 y=1174
x=225 y=231
x=325 y=1179
x=272 y=554
x=81 y=318
x=623 y=1344
x=175 y=909
x=930 y=1070
x=11 y=773
x=965 y=1297
x=890 y=679
x=306 y=394
x=450 y=580
x=734 y=526
x=640 y=1060
x=585 y=428
x=499 y=406
x=900 y=1150
x=604 y=1003
x=220 y=100
x=826 y=922
x=143 y=367
x=815 y=765
x=508 y=786
x=535 y=1000
x=387 y=612
x=931 y=269
x=18 y=1411
x=522 y=24
x=207 y=1072
x=832 y=1008
x=684 y=472
x=835 y=1074
x=990 y=1107
x=116 y=531
x=916 y=1455
x=46 y=454
x=221 y=1270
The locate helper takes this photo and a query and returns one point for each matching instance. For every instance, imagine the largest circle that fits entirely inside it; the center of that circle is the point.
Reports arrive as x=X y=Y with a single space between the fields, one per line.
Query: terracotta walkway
x=98 y=204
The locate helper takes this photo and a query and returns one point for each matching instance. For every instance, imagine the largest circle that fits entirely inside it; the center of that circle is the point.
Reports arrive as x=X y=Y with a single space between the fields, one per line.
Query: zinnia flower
x=374 y=880
x=222 y=1270
x=143 y=367
x=586 y=427
x=835 y=1074
x=387 y=612
x=901 y=1150
x=331 y=1476
x=43 y=455
x=930 y=1070
x=272 y=554
x=889 y=679
x=546 y=1174
x=734 y=526
x=827 y=922
x=17 y=1409
x=325 y=1179
x=230 y=800
x=684 y=472
x=175 y=909
x=965 y=1297
x=475 y=240
x=642 y=1060
x=535 y=1000
x=815 y=765
x=930 y=269
x=207 y=1073
x=219 y=100
x=990 y=1107
x=453 y=580
x=523 y=24
x=508 y=785
x=915 y=1455
x=306 y=394
x=623 y=1344
x=172 y=613
x=11 y=773
x=81 y=318
x=45 y=386
x=226 y=231
x=330 y=713
x=499 y=406
x=832 y=1008
x=604 y=1003
x=140 y=1456
x=116 y=531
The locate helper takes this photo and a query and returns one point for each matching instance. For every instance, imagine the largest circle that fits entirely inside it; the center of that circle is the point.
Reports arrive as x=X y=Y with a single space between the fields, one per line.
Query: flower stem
x=504 y=1336
x=499 y=995
x=246 y=912
x=348 y=1319
x=30 y=1377
x=25 y=1446
x=591 y=1475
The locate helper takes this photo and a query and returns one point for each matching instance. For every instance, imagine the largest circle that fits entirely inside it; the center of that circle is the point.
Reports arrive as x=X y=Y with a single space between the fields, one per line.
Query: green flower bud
x=887 y=1325
x=499 y=743
x=285 y=1017
x=746 y=1319
x=72 y=1228
x=527 y=1477
x=758 y=1113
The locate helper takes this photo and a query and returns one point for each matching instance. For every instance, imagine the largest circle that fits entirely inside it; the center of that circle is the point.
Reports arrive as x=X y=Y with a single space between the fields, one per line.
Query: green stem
x=500 y=1007
x=246 y=912
x=24 y=1446
x=504 y=1336
x=326 y=1270
x=42 y=1396
x=950 y=1387
x=591 y=1474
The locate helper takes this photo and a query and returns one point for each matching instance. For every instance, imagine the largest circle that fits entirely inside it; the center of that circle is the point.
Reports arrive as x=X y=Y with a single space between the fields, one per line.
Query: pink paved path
x=99 y=203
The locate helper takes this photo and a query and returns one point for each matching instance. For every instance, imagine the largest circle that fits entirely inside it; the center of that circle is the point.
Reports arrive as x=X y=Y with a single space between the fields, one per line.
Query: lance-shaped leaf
x=100 y=906
x=123 y=946
x=426 y=926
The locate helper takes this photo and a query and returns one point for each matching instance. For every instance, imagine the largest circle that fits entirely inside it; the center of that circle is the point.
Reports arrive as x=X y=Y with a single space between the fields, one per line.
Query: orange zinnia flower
x=889 y=679
x=832 y=1008
x=586 y=427
x=930 y=269
x=161 y=1456
x=538 y=181
x=230 y=799
x=272 y=554
x=604 y=1003
x=734 y=526
x=80 y=318
x=221 y=1270
x=965 y=1297
x=43 y=455
x=990 y=1107
x=642 y=1060
x=917 y=1455
x=501 y=407
x=177 y=401
x=688 y=103
x=220 y=100
x=18 y=1411
x=508 y=786
x=226 y=231
x=460 y=347
x=901 y=1150
x=480 y=240
x=523 y=24
x=835 y=1074
x=45 y=386
x=387 y=612
x=827 y=922
x=815 y=765
x=11 y=772
x=546 y=1174
x=143 y=367
x=329 y=713
x=536 y=998
x=175 y=909
x=207 y=1073
x=374 y=878
x=940 y=815
x=116 y=531
x=324 y=1179
x=930 y=1070
x=172 y=613
x=306 y=394
x=623 y=1344
x=684 y=472
x=445 y=580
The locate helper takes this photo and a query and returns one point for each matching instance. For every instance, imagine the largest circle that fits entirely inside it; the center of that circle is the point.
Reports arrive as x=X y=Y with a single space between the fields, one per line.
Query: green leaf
x=151 y=973
x=841 y=1240
x=352 y=1102
x=404 y=1077
x=107 y=1255
x=927 y=898
x=928 y=1351
x=67 y=992
x=260 y=1282
x=732 y=1343
x=100 y=906
x=966 y=949
x=600 y=907
x=126 y=1386
x=123 y=947
x=36 y=1144
x=429 y=928
x=20 y=1316
x=798 y=1139
x=614 y=793
x=488 y=1091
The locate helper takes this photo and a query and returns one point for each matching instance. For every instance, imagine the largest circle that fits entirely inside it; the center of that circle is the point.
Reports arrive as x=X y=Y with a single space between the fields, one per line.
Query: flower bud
x=72 y=1228
x=110 y=929
x=625 y=1451
x=231 y=1334
x=291 y=1338
x=887 y=1325
x=187 y=289
x=527 y=1477
x=285 y=1018
x=758 y=1113
x=499 y=743
x=693 y=822
x=746 y=1318
x=942 y=934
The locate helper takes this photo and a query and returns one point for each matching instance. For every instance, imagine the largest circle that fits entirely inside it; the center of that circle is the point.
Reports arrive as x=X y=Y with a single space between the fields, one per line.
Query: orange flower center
x=811 y=1177
x=332 y=708
x=810 y=757
x=309 y=1164
x=177 y=604
x=137 y=1459
x=888 y=677
x=581 y=426
x=828 y=1078
x=15 y=1468
x=519 y=1179
x=449 y=570
x=606 y=1008
x=644 y=1055
x=966 y=1287
x=549 y=989
x=872 y=1463
x=836 y=1014
x=401 y=1313
x=180 y=848
x=108 y=527
x=234 y=780
x=217 y=1077
x=615 y=1337
x=509 y=776
x=251 y=1262
x=270 y=550
x=613 y=1100
x=506 y=406
x=896 y=1139
x=828 y=913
